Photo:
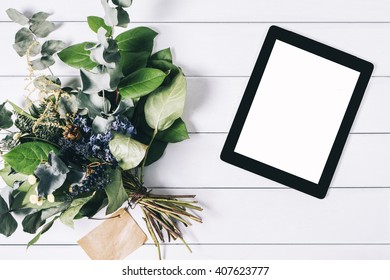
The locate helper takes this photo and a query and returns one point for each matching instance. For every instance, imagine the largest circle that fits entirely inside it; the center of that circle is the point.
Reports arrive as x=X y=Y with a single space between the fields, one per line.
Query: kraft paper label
x=114 y=239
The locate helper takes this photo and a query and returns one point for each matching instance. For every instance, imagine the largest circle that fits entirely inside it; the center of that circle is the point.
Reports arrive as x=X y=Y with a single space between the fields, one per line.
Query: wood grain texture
x=268 y=216
x=218 y=10
x=213 y=101
x=231 y=49
x=213 y=252
x=195 y=163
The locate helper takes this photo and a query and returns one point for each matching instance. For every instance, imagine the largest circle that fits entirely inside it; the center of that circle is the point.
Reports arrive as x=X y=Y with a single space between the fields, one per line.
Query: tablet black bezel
x=229 y=155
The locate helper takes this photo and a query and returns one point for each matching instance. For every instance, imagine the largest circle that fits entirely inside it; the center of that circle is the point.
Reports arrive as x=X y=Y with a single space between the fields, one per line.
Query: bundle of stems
x=161 y=212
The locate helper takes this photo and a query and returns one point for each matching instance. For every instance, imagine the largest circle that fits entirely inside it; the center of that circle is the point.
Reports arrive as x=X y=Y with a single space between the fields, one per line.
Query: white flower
x=31 y=179
x=40 y=201
x=33 y=199
x=17 y=136
x=50 y=198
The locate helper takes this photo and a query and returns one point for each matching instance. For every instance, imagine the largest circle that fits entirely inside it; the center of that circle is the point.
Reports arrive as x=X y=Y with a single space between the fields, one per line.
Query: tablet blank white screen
x=297 y=111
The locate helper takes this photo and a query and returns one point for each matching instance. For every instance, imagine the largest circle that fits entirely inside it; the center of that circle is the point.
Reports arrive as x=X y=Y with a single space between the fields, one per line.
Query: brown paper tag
x=114 y=239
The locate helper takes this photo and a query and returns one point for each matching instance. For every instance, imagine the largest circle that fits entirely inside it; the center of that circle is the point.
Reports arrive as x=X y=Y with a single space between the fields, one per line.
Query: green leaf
x=115 y=16
x=156 y=150
x=123 y=3
x=68 y=215
x=25 y=157
x=44 y=229
x=20 y=111
x=94 y=103
x=100 y=124
x=127 y=151
x=77 y=56
x=5 y=117
x=96 y=22
x=10 y=177
x=3 y=206
x=8 y=223
x=21 y=196
x=24 y=34
x=39 y=17
x=32 y=222
x=17 y=16
x=45 y=83
x=141 y=82
x=177 y=132
x=115 y=191
x=138 y=39
x=23 y=40
x=165 y=66
x=94 y=82
x=166 y=104
x=67 y=104
x=93 y=206
x=42 y=63
x=164 y=54
x=123 y=17
x=133 y=61
x=42 y=29
x=51 y=174
x=51 y=47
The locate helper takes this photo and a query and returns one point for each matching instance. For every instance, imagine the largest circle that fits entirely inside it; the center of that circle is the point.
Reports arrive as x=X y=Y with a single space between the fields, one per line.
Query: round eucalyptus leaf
x=39 y=17
x=42 y=63
x=17 y=16
x=51 y=47
x=42 y=29
x=5 y=117
x=123 y=3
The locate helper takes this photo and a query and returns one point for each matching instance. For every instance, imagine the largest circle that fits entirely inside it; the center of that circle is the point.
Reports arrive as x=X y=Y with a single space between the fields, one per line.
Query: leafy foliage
x=26 y=157
x=141 y=82
x=83 y=147
x=8 y=223
x=77 y=56
x=5 y=117
x=51 y=174
x=127 y=151
x=166 y=105
x=136 y=40
x=96 y=22
x=115 y=191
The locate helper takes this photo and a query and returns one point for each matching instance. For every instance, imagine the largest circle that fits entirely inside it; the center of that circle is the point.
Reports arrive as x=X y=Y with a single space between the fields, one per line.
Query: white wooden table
x=246 y=216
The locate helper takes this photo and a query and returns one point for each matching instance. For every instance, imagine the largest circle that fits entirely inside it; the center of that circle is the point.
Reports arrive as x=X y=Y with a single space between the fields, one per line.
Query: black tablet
x=297 y=111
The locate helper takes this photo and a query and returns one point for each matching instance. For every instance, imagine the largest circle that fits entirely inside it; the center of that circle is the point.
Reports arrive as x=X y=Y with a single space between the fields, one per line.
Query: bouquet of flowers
x=74 y=150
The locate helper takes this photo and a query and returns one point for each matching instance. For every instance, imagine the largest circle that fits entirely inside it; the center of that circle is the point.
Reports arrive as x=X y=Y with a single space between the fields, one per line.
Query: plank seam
x=229 y=22
x=217 y=244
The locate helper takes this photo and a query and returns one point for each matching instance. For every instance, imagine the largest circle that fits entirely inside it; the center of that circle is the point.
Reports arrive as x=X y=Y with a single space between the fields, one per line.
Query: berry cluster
x=97 y=177
x=91 y=145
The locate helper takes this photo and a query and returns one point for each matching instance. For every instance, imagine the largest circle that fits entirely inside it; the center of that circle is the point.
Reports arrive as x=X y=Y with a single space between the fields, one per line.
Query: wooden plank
x=220 y=49
x=211 y=252
x=217 y=10
x=196 y=163
x=278 y=216
x=212 y=102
